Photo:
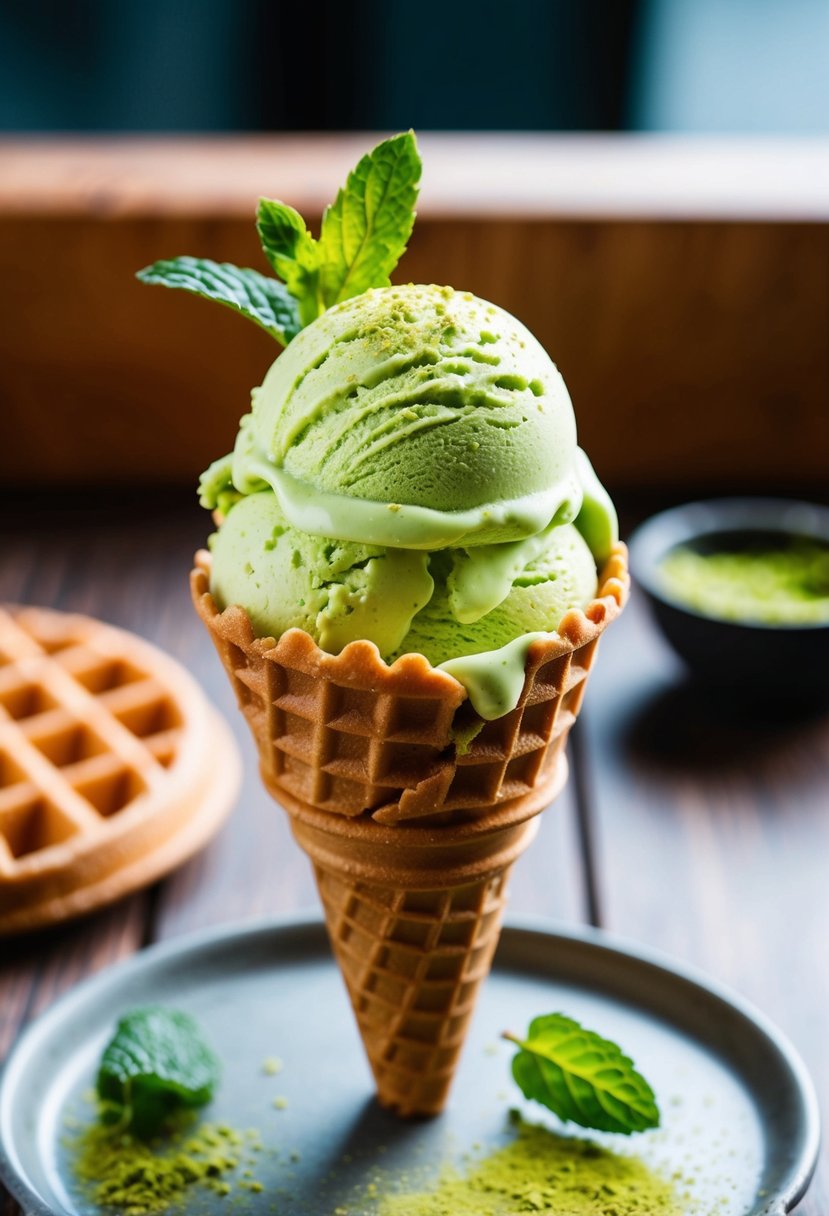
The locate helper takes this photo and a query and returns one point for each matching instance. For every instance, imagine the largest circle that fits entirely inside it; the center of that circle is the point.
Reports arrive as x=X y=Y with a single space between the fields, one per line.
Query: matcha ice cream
x=409 y=474
x=339 y=591
x=336 y=590
x=423 y=397
x=405 y=518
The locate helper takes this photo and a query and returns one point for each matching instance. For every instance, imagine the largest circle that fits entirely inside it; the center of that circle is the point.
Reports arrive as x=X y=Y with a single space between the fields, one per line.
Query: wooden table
x=666 y=274
x=682 y=826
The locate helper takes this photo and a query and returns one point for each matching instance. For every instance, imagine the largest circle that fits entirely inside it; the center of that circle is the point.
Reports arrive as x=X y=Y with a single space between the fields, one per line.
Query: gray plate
x=739 y=1112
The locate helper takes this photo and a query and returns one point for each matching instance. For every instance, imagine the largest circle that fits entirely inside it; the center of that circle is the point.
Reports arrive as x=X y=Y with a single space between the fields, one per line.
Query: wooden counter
x=684 y=826
x=681 y=285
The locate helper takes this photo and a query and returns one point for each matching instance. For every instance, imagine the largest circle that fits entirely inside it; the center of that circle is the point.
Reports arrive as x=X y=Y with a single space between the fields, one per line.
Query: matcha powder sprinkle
x=547 y=1174
x=118 y=1171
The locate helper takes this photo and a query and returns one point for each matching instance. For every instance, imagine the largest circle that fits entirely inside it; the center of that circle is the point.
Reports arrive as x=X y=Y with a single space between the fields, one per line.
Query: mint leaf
x=364 y=232
x=582 y=1077
x=157 y=1063
x=265 y=301
x=293 y=253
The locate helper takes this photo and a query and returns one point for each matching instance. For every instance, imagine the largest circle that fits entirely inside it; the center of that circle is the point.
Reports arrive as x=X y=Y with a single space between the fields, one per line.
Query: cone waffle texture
x=414 y=916
x=412 y=838
x=351 y=735
x=113 y=767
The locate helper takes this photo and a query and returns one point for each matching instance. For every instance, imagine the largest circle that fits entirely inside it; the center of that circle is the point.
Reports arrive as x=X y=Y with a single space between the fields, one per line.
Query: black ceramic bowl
x=793 y=659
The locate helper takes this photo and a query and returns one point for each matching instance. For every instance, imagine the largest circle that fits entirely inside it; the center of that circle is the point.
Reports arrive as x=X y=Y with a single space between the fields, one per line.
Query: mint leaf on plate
x=266 y=301
x=292 y=252
x=157 y=1063
x=364 y=232
x=582 y=1077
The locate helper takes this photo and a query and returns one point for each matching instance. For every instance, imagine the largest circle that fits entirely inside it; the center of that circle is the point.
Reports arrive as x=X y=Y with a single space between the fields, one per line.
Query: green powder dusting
x=786 y=586
x=116 y=1170
x=547 y=1174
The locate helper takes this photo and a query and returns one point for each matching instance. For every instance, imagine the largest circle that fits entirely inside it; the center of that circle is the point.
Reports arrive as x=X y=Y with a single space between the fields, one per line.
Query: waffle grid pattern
x=348 y=734
x=85 y=734
x=413 y=963
x=351 y=749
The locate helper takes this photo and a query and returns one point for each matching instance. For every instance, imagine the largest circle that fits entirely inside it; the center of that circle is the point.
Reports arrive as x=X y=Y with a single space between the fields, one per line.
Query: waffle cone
x=412 y=835
x=414 y=915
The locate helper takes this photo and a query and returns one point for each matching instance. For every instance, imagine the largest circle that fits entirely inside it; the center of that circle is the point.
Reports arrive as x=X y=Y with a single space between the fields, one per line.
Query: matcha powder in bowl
x=782 y=583
x=740 y=588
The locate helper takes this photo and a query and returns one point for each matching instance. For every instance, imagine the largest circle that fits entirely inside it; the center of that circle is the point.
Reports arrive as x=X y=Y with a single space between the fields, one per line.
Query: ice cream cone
x=414 y=915
x=412 y=813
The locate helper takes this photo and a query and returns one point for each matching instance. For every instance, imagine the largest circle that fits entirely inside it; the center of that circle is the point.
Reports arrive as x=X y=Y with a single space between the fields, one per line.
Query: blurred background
x=644 y=182
x=472 y=65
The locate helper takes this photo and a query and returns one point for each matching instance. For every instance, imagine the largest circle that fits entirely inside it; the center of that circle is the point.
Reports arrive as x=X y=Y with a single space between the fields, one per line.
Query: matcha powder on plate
x=547 y=1174
x=123 y=1173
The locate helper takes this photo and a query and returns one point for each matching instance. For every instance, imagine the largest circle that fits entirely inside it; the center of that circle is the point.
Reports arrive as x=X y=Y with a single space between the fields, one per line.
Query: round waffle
x=113 y=767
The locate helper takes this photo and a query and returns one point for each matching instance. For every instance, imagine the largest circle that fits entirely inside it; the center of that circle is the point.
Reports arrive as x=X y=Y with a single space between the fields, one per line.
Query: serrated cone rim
x=411 y=674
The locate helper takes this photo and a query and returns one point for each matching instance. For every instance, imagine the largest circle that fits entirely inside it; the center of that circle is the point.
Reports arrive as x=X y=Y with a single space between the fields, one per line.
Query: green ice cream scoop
x=560 y=577
x=401 y=599
x=335 y=590
x=409 y=474
x=417 y=417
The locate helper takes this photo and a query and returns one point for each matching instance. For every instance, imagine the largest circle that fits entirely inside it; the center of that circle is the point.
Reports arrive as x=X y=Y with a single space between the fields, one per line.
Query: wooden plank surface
x=681 y=286
x=37 y=566
x=710 y=831
x=471 y=174
x=34 y=972
x=130 y=567
x=695 y=352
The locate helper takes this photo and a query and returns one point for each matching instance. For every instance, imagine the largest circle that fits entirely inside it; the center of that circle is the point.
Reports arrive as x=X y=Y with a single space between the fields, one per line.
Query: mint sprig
x=260 y=299
x=582 y=1077
x=293 y=253
x=364 y=234
x=157 y=1063
x=366 y=230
